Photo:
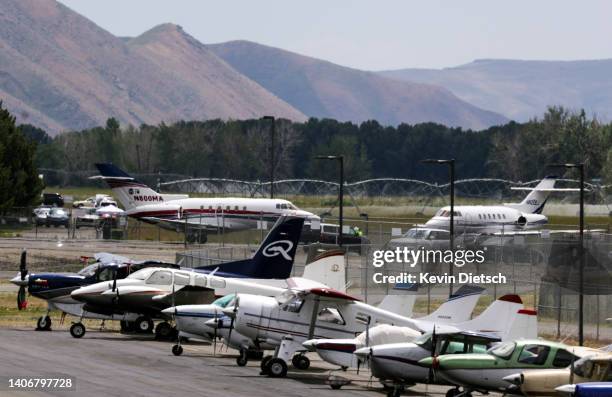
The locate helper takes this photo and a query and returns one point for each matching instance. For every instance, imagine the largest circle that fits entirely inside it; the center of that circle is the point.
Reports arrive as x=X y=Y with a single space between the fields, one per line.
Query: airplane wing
x=302 y=287
x=106 y=258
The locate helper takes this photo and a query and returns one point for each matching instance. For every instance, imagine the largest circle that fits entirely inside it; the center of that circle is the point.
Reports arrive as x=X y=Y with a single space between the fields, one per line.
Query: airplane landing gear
x=243 y=358
x=144 y=325
x=458 y=393
x=177 y=350
x=264 y=364
x=127 y=326
x=43 y=323
x=277 y=368
x=77 y=330
x=300 y=361
x=164 y=331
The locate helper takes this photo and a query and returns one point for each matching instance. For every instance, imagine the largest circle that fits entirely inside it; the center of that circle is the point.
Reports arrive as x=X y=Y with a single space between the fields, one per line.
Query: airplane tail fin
x=525 y=326
x=130 y=192
x=458 y=307
x=328 y=268
x=536 y=199
x=497 y=319
x=401 y=301
x=275 y=256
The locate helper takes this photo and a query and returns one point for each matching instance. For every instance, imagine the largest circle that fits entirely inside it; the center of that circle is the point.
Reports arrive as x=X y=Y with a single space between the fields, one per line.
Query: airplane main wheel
x=277 y=368
x=300 y=361
x=144 y=325
x=163 y=331
x=43 y=323
x=177 y=350
x=77 y=330
x=453 y=392
x=264 y=364
x=242 y=359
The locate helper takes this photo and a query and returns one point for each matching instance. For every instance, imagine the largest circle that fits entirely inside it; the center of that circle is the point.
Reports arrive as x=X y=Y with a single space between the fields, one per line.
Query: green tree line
x=242 y=149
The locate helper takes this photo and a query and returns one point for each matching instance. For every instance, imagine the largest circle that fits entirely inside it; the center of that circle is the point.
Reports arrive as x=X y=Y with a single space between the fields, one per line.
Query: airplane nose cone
x=363 y=352
x=19 y=282
x=310 y=344
x=169 y=311
x=515 y=379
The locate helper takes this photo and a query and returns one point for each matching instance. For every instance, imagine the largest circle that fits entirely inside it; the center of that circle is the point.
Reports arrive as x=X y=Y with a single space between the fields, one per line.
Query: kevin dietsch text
x=428 y=278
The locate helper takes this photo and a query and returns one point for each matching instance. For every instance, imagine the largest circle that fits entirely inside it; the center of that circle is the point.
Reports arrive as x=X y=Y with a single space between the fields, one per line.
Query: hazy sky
x=379 y=34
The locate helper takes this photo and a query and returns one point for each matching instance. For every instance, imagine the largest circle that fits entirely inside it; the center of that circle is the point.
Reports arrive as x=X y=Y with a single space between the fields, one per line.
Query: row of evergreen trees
x=242 y=150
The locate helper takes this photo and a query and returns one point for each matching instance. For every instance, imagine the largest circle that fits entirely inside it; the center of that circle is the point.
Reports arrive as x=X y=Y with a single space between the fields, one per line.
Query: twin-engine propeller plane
x=55 y=288
x=195 y=216
x=302 y=314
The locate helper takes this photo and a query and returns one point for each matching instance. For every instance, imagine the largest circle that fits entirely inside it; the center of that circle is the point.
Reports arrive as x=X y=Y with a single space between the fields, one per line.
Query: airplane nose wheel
x=43 y=323
x=164 y=331
x=177 y=350
x=242 y=359
x=300 y=361
x=77 y=330
x=277 y=368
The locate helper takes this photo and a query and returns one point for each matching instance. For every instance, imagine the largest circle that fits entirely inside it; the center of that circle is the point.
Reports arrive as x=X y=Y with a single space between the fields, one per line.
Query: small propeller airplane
x=55 y=288
x=596 y=367
x=484 y=372
x=457 y=308
x=208 y=322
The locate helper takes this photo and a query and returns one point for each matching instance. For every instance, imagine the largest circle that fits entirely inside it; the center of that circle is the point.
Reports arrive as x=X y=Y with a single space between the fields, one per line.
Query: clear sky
x=379 y=34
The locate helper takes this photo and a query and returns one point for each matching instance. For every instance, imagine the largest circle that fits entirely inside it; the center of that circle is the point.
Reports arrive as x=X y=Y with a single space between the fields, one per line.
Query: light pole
x=272 y=136
x=580 y=167
x=340 y=158
x=451 y=228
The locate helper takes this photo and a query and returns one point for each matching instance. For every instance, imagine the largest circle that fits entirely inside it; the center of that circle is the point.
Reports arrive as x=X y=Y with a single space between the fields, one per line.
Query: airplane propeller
x=431 y=377
x=367 y=342
x=233 y=318
x=114 y=288
x=22 y=302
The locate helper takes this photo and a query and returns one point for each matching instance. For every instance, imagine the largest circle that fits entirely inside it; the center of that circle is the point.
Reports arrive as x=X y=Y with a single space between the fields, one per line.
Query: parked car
x=88 y=219
x=40 y=215
x=53 y=199
x=58 y=217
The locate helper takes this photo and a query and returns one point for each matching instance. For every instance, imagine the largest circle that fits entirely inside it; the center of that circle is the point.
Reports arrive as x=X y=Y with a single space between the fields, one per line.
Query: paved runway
x=110 y=364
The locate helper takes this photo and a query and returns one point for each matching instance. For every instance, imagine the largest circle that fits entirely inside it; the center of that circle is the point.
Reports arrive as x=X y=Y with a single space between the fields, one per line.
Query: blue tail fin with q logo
x=274 y=258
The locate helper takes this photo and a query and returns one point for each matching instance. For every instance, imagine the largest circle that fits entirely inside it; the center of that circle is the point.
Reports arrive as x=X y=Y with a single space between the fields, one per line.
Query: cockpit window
x=106 y=274
x=534 y=354
x=181 y=278
x=503 y=350
x=141 y=274
x=331 y=315
x=160 y=277
x=89 y=271
x=424 y=341
x=224 y=301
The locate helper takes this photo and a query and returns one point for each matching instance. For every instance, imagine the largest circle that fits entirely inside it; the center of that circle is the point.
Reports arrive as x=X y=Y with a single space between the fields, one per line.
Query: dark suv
x=53 y=199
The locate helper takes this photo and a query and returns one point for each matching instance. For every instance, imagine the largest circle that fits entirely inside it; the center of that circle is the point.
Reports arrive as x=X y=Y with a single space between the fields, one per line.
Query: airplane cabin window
x=563 y=359
x=106 y=274
x=479 y=216
x=278 y=206
x=181 y=278
x=330 y=315
x=294 y=306
x=534 y=354
x=244 y=208
x=228 y=208
x=160 y=277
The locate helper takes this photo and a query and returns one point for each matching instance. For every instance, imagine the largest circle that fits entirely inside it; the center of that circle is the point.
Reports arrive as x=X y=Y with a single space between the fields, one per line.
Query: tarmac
x=105 y=363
